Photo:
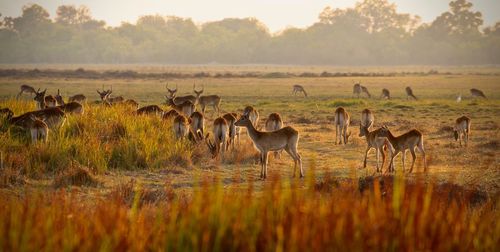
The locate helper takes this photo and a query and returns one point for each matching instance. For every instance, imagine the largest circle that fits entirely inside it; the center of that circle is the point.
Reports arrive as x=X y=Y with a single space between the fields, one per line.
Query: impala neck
x=391 y=137
x=252 y=132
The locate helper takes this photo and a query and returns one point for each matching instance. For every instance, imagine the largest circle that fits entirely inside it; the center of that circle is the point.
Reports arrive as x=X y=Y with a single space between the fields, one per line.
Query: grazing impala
x=43 y=101
x=297 y=89
x=377 y=143
x=197 y=122
x=186 y=107
x=385 y=94
x=252 y=114
x=342 y=121
x=358 y=89
x=286 y=138
x=26 y=89
x=462 y=129
x=72 y=108
x=367 y=119
x=181 y=126
x=409 y=93
x=149 y=110
x=274 y=123
x=477 y=93
x=220 y=131
x=80 y=98
x=231 y=119
x=407 y=141
x=53 y=117
x=208 y=100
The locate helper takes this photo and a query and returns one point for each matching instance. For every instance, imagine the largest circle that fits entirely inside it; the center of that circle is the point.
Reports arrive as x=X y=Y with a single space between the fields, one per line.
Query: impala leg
x=265 y=156
x=420 y=147
x=412 y=151
x=366 y=155
x=403 y=155
x=261 y=165
x=381 y=150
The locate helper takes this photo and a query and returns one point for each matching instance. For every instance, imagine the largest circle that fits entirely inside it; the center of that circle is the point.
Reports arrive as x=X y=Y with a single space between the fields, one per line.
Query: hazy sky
x=276 y=14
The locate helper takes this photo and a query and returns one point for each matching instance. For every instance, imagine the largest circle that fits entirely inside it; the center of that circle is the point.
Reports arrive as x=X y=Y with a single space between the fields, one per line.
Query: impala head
x=104 y=94
x=384 y=131
x=171 y=92
x=363 y=131
x=198 y=93
x=40 y=96
x=244 y=121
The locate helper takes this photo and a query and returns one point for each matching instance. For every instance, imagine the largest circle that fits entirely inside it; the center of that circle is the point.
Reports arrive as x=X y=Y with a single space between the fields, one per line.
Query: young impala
x=252 y=114
x=462 y=129
x=181 y=126
x=407 y=141
x=385 y=94
x=26 y=89
x=409 y=93
x=367 y=119
x=274 y=123
x=297 y=89
x=207 y=100
x=220 y=131
x=342 y=121
x=231 y=119
x=357 y=89
x=374 y=141
x=286 y=138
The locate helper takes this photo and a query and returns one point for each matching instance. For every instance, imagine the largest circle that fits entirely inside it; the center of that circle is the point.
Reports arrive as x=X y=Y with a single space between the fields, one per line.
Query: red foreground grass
x=385 y=213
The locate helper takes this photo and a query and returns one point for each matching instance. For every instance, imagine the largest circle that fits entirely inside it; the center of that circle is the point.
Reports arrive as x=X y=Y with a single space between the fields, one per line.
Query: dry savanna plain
x=113 y=180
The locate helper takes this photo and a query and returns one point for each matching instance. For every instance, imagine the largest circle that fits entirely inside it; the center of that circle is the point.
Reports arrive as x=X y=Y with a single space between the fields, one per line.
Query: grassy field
x=135 y=161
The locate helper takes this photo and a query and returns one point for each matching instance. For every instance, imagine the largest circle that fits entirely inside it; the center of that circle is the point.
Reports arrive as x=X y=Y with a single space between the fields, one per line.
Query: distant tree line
x=372 y=32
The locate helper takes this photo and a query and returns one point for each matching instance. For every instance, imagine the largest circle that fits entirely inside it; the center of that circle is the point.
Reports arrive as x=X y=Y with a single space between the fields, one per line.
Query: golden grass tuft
x=75 y=175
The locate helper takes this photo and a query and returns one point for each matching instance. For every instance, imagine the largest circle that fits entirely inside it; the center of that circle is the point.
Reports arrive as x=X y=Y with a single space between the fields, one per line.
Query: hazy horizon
x=292 y=13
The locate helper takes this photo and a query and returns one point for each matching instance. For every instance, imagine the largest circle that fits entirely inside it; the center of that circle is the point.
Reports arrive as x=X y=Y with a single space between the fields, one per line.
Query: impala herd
x=189 y=123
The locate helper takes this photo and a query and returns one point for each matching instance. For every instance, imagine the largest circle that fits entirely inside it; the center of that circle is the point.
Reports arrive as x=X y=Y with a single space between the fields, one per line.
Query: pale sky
x=276 y=14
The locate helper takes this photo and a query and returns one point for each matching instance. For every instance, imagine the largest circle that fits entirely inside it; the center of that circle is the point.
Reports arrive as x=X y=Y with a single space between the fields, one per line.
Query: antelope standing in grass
x=220 y=131
x=357 y=89
x=38 y=129
x=43 y=101
x=477 y=93
x=80 y=98
x=367 y=119
x=231 y=119
x=409 y=93
x=181 y=126
x=207 y=100
x=170 y=114
x=252 y=114
x=26 y=89
x=462 y=129
x=286 y=138
x=149 y=110
x=274 y=123
x=385 y=94
x=197 y=123
x=53 y=117
x=407 y=141
x=374 y=141
x=181 y=99
x=342 y=121
x=72 y=108
x=186 y=107
x=297 y=89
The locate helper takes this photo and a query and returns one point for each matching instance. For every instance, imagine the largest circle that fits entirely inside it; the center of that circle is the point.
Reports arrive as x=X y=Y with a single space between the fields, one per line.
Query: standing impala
x=207 y=100
x=357 y=89
x=38 y=129
x=407 y=141
x=385 y=94
x=286 y=138
x=367 y=119
x=181 y=99
x=274 y=123
x=231 y=119
x=53 y=117
x=181 y=126
x=197 y=123
x=342 y=121
x=409 y=93
x=297 y=89
x=462 y=129
x=220 y=130
x=374 y=141
x=26 y=89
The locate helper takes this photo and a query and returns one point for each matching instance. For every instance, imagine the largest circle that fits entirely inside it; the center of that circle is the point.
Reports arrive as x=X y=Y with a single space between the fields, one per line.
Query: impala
x=149 y=110
x=38 y=129
x=181 y=99
x=252 y=114
x=462 y=129
x=197 y=122
x=132 y=103
x=207 y=100
x=72 y=108
x=297 y=89
x=172 y=92
x=407 y=141
x=274 y=123
x=374 y=141
x=53 y=117
x=186 y=107
x=43 y=101
x=220 y=131
x=477 y=93
x=80 y=98
x=358 y=89
x=105 y=97
x=231 y=119
x=385 y=94
x=286 y=138
x=342 y=121
x=181 y=126
x=367 y=119
x=26 y=89
x=409 y=93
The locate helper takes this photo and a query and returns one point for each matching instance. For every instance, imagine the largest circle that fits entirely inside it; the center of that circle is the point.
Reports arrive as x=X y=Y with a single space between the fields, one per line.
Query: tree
x=384 y=16
x=70 y=15
x=460 y=20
